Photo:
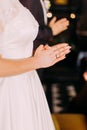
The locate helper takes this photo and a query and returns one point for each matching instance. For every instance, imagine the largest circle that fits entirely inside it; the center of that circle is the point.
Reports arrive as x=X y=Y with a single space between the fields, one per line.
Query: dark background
x=62 y=82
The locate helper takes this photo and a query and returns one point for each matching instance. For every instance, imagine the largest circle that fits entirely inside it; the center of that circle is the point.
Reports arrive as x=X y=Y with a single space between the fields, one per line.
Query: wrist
x=36 y=62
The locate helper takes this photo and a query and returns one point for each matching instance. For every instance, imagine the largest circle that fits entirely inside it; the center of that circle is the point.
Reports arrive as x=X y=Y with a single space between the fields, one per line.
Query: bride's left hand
x=62 y=50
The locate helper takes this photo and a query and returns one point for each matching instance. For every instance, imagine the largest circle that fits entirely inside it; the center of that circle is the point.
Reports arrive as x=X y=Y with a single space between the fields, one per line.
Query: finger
x=59 y=50
x=53 y=20
x=61 y=45
x=58 y=59
x=64 y=28
x=63 y=20
x=40 y=48
x=67 y=48
x=62 y=52
x=67 y=51
x=47 y=46
x=65 y=24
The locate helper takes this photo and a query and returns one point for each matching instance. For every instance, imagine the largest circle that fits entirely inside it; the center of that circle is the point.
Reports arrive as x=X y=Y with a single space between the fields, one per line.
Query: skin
x=85 y=76
x=58 y=26
x=44 y=56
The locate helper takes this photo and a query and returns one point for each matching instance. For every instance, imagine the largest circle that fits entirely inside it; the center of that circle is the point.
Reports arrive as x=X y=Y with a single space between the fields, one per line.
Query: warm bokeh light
x=61 y=2
x=72 y=15
x=49 y=15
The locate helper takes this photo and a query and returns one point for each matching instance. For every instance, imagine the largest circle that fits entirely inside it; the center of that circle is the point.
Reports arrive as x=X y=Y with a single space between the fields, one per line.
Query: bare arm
x=10 y=67
x=42 y=58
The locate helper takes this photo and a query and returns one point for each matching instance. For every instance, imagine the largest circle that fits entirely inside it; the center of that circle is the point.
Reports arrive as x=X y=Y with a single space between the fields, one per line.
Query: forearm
x=42 y=58
x=10 y=67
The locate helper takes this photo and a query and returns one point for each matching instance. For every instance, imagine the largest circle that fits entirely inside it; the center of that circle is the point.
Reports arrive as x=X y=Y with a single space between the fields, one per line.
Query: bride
x=23 y=105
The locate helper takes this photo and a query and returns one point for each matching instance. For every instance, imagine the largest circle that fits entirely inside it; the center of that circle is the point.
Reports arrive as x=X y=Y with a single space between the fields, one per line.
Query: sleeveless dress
x=23 y=105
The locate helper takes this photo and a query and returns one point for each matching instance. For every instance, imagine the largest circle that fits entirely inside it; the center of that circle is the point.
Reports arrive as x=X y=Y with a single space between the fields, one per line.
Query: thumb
x=53 y=20
x=47 y=46
x=40 y=48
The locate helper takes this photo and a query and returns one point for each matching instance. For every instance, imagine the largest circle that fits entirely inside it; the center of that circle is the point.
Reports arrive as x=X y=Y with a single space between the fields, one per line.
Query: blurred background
x=64 y=81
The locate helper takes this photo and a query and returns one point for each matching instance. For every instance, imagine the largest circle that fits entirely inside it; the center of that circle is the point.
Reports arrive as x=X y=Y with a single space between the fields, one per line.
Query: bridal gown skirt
x=23 y=104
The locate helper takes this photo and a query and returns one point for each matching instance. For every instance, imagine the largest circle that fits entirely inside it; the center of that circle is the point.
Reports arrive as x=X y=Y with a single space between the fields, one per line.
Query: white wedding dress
x=23 y=105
